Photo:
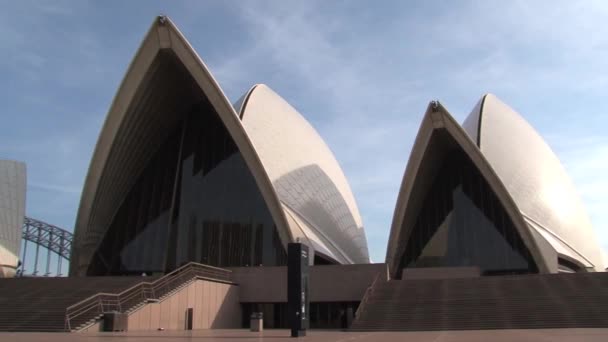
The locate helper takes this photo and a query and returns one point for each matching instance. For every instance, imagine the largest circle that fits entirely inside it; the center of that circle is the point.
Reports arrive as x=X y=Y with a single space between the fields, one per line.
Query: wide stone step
x=530 y=301
x=35 y=304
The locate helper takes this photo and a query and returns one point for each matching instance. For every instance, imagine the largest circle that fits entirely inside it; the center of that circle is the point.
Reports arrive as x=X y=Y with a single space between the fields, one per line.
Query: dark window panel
x=196 y=200
x=462 y=223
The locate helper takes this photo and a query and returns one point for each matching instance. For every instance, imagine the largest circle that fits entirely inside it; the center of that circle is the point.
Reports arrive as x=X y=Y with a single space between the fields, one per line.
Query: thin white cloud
x=298 y=44
x=64 y=189
x=519 y=50
x=363 y=79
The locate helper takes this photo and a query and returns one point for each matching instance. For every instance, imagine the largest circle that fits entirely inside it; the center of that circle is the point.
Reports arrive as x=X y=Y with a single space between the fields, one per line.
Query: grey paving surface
x=556 y=335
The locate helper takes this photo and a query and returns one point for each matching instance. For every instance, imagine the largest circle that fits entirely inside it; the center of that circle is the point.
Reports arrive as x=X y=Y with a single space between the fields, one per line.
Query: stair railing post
x=67 y=322
x=388 y=273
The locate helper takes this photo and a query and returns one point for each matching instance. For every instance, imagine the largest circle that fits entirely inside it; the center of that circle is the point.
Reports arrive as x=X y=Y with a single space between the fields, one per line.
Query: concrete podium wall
x=216 y=306
x=328 y=283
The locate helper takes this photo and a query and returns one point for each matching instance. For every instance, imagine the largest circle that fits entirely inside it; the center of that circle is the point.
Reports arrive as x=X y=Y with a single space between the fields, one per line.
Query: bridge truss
x=51 y=238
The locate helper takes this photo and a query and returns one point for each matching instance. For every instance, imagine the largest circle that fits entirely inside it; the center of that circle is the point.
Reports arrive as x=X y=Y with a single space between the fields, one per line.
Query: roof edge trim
x=320 y=233
x=246 y=98
x=560 y=239
x=483 y=102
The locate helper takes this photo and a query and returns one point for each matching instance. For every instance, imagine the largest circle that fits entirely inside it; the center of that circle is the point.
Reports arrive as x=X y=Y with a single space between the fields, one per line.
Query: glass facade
x=462 y=224
x=323 y=315
x=196 y=200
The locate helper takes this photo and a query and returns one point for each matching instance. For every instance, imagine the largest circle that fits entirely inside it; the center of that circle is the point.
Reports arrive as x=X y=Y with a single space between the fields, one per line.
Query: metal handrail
x=366 y=296
x=102 y=301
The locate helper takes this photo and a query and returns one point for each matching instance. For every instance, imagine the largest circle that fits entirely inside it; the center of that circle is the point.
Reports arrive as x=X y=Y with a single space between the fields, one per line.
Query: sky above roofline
x=361 y=73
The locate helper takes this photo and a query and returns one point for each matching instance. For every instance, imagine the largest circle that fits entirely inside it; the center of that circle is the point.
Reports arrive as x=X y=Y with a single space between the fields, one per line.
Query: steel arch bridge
x=55 y=240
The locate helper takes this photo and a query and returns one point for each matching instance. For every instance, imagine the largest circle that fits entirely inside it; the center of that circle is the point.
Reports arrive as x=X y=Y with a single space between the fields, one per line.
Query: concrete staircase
x=62 y=304
x=500 y=302
x=130 y=306
x=39 y=304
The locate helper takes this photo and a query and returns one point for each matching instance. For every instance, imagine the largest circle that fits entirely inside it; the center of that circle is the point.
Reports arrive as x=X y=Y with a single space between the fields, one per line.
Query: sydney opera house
x=490 y=195
x=179 y=174
x=488 y=231
x=12 y=212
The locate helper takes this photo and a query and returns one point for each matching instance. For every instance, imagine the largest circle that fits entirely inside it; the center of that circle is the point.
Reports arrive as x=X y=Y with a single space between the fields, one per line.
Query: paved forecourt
x=556 y=335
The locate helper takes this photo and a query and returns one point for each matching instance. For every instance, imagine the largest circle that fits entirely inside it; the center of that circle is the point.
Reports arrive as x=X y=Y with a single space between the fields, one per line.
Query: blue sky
x=361 y=72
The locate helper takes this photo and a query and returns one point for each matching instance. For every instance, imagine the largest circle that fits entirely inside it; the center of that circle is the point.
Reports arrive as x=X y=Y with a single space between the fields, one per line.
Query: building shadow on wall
x=229 y=312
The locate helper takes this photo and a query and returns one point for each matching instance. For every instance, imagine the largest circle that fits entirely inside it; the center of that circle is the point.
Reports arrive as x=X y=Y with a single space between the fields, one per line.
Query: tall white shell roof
x=535 y=179
x=306 y=176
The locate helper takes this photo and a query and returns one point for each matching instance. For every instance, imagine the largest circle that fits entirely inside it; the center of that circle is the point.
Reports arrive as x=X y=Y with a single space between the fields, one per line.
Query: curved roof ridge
x=241 y=103
x=472 y=123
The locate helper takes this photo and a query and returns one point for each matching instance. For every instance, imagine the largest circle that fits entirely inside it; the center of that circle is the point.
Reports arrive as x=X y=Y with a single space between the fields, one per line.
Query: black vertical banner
x=297 y=288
